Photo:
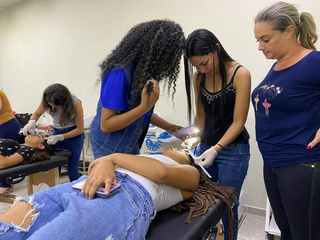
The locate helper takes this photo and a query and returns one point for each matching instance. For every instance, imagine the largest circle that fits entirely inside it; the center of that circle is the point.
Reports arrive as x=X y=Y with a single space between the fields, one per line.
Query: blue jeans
x=67 y=214
x=10 y=129
x=294 y=194
x=74 y=145
x=230 y=168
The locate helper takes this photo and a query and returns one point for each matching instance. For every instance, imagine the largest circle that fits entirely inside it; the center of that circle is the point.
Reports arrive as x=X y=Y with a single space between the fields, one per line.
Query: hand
x=29 y=127
x=148 y=101
x=54 y=139
x=208 y=157
x=190 y=143
x=101 y=173
x=315 y=141
x=173 y=128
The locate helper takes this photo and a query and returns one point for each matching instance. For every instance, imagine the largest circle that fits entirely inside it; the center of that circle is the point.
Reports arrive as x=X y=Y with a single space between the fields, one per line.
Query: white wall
x=47 y=41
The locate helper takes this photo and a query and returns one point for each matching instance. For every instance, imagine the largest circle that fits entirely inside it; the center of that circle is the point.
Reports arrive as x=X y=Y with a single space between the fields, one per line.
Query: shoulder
x=8 y=142
x=314 y=57
x=243 y=72
x=116 y=74
x=26 y=152
x=242 y=77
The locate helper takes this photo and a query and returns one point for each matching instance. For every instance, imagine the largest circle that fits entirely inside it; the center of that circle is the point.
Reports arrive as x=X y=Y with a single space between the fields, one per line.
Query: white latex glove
x=190 y=143
x=206 y=159
x=29 y=127
x=54 y=139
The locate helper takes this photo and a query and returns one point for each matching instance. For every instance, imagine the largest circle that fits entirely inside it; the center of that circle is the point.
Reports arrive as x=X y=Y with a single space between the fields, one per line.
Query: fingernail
x=309 y=147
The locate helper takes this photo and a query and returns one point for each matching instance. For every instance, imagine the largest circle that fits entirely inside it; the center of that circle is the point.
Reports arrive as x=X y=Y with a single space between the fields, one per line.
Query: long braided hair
x=155 y=49
x=204 y=198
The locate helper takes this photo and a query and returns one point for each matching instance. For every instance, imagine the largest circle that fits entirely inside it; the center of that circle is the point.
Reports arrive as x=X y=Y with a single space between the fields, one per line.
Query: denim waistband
x=140 y=191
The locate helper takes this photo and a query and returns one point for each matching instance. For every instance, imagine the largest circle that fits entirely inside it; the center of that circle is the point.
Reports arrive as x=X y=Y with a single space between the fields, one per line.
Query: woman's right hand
x=101 y=173
x=30 y=127
x=149 y=100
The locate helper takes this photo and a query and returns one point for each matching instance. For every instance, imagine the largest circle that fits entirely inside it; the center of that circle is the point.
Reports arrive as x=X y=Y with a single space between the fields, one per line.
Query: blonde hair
x=282 y=15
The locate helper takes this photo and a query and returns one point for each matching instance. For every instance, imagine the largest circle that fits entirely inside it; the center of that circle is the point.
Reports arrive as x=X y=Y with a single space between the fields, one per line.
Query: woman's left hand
x=315 y=141
x=207 y=158
x=101 y=173
x=173 y=128
x=54 y=139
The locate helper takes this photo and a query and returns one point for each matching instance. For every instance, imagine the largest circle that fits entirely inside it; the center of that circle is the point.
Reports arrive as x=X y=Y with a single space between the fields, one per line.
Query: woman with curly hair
x=130 y=75
x=67 y=113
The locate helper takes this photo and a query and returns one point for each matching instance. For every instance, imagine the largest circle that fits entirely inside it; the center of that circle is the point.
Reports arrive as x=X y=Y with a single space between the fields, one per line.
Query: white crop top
x=163 y=195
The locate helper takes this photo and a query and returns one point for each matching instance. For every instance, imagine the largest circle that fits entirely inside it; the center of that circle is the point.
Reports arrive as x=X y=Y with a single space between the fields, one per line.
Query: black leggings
x=294 y=194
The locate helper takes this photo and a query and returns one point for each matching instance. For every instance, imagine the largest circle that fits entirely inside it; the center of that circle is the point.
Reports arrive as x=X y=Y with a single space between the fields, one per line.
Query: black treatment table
x=38 y=172
x=170 y=225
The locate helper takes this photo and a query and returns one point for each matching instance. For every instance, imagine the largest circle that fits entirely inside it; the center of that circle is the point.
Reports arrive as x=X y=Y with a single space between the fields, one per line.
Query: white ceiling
x=8 y=3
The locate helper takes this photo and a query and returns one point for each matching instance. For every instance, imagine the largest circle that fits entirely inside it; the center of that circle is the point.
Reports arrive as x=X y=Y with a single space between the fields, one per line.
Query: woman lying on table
x=13 y=153
x=149 y=183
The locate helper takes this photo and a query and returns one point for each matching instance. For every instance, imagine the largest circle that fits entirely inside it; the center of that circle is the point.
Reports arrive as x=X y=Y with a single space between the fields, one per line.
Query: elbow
x=195 y=184
x=162 y=174
x=105 y=129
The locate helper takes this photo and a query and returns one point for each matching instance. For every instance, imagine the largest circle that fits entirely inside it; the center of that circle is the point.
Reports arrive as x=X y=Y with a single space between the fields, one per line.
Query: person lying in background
x=13 y=153
x=9 y=127
x=149 y=183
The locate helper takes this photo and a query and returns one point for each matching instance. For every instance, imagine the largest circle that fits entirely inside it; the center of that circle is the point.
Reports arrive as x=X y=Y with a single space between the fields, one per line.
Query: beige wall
x=47 y=41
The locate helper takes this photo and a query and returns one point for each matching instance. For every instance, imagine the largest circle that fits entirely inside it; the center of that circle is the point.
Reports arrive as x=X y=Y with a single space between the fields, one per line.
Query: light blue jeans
x=230 y=168
x=67 y=214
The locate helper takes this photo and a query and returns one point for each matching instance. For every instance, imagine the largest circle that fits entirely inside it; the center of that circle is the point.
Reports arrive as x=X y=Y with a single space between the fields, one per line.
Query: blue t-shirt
x=287 y=111
x=113 y=94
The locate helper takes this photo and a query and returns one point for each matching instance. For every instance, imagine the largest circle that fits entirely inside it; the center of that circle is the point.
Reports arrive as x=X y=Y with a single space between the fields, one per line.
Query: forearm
x=159 y=122
x=230 y=135
x=199 y=122
x=121 y=121
x=13 y=160
x=73 y=133
x=34 y=116
x=183 y=177
x=147 y=167
x=3 y=163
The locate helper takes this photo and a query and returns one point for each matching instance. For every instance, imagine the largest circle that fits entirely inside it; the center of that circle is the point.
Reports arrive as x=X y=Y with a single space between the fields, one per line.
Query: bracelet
x=220 y=146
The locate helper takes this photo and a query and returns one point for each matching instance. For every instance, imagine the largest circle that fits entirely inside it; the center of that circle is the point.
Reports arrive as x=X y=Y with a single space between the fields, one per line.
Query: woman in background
x=287 y=111
x=222 y=96
x=148 y=54
x=67 y=113
x=9 y=129
x=9 y=125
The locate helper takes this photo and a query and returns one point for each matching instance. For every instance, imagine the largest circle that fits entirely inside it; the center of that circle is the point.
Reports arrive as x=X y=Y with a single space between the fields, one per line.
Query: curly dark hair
x=59 y=95
x=154 y=48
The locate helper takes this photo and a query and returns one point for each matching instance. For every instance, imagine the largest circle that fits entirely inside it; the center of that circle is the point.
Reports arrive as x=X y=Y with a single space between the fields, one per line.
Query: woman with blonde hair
x=287 y=112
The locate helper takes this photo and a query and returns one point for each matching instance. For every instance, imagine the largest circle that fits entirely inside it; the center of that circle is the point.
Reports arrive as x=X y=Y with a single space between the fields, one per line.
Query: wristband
x=220 y=146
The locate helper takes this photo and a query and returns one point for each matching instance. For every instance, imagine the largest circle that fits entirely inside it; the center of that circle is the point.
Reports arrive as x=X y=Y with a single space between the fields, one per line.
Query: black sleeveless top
x=216 y=124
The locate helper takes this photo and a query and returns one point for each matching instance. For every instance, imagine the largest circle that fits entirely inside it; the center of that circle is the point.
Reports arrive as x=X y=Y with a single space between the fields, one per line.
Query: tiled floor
x=251 y=228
